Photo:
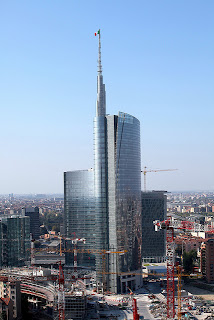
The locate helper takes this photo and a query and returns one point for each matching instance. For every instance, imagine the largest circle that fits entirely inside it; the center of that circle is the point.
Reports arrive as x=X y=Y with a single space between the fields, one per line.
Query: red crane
x=61 y=293
x=74 y=242
x=134 y=308
x=169 y=225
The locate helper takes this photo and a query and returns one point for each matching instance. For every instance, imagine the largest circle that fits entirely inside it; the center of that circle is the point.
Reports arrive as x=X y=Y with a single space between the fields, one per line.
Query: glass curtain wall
x=100 y=191
x=153 y=208
x=17 y=232
x=79 y=215
x=124 y=187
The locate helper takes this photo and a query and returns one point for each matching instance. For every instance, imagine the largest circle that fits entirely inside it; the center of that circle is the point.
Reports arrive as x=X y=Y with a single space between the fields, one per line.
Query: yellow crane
x=179 y=286
x=103 y=253
x=145 y=171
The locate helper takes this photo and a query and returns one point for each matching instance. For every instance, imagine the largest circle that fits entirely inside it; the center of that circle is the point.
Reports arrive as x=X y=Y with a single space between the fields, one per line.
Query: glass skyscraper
x=124 y=201
x=154 y=207
x=14 y=241
x=116 y=196
x=79 y=214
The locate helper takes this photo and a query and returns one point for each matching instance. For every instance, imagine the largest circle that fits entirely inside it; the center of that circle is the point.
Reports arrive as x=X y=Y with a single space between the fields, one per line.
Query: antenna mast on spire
x=99 y=55
x=101 y=94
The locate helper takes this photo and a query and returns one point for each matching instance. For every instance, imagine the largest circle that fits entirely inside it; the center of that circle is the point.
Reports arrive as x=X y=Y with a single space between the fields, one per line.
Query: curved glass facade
x=79 y=218
x=124 y=196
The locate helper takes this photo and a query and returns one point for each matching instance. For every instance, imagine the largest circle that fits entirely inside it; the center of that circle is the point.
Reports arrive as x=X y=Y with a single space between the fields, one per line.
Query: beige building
x=11 y=289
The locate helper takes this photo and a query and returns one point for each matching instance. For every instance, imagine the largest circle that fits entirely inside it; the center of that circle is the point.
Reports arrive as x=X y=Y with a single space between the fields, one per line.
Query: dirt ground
x=205 y=294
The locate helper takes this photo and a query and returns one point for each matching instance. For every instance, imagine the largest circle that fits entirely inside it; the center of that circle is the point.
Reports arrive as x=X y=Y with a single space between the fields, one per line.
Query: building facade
x=124 y=201
x=207 y=260
x=154 y=207
x=79 y=215
x=75 y=306
x=14 y=241
x=6 y=308
x=11 y=290
x=33 y=214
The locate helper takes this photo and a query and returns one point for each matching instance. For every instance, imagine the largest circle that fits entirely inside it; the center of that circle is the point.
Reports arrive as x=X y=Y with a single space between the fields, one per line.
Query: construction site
x=73 y=292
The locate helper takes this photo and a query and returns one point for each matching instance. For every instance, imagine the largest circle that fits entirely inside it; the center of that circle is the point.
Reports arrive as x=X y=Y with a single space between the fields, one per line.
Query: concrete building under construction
x=75 y=306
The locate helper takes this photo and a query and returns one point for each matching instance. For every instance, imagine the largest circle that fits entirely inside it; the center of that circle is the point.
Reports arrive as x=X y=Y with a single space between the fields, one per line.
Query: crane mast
x=170 y=273
x=170 y=225
x=61 y=293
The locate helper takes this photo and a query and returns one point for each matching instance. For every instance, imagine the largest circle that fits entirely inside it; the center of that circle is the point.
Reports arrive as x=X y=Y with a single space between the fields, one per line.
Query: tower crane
x=170 y=225
x=134 y=306
x=74 y=241
x=104 y=253
x=61 y=293
x=145 y=172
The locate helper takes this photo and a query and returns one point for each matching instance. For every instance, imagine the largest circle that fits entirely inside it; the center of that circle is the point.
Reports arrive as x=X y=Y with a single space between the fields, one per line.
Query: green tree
x=189 y=259
x=51 y=220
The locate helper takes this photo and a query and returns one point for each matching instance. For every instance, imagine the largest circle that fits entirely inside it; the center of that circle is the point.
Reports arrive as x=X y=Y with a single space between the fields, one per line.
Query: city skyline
x=158 y=66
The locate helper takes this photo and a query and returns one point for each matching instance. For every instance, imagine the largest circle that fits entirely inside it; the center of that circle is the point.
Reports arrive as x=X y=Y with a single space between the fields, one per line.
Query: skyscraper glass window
x=154 y=207
x=79 y=216
x=15 y=240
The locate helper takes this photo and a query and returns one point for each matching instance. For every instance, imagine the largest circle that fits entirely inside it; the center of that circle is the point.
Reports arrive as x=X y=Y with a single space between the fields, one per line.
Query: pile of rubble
x=158 y=309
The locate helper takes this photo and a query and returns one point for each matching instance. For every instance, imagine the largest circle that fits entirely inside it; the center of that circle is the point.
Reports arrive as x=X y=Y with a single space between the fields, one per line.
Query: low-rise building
x=6 y=308
x=207 y=260
x=75 y=306
x=11 y=289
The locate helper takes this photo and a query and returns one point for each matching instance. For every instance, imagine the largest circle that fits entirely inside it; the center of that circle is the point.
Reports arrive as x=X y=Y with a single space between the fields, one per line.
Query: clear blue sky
x=158 y=65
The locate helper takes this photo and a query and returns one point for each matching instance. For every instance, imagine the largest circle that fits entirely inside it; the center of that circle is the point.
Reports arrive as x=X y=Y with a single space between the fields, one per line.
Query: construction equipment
x=104 y=253
x=145 y=171
x=169 y=225
x=74 y=242
x=104 y=273
x=134 y=308
x=61 y=293
x=179 y=291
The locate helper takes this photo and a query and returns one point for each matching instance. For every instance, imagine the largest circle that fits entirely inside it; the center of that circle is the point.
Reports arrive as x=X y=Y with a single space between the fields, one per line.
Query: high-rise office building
x=79 y=215
x=33 y=214
x=154 y=207
x=124 y=201
x=14 y=241
x=116 y=196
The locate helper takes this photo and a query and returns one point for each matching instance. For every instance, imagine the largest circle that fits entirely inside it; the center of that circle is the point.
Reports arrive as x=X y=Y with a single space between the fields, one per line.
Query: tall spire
x=99 y=56
x=101 y=94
